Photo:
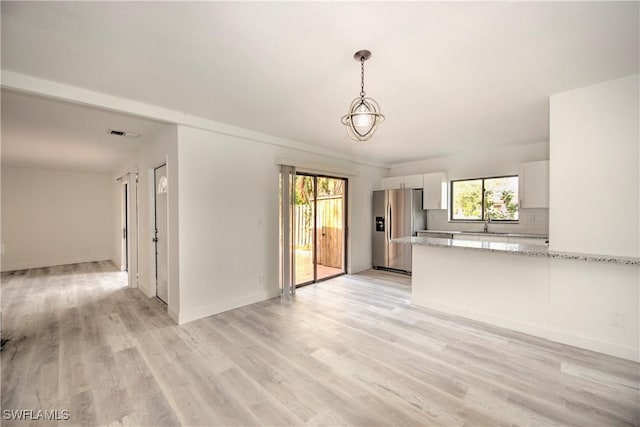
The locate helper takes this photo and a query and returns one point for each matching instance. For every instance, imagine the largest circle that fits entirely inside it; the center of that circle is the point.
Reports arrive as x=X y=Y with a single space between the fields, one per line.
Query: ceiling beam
x=49 y=89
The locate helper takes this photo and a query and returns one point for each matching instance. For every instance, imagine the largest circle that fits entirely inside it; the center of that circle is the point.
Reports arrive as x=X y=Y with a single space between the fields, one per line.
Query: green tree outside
x=500 y=199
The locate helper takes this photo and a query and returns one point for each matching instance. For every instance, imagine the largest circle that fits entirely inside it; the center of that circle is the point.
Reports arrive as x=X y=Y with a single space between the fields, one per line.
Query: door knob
x=155 y=239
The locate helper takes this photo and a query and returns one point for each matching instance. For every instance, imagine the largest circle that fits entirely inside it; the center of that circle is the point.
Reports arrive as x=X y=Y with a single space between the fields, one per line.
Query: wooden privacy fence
x=329 y=229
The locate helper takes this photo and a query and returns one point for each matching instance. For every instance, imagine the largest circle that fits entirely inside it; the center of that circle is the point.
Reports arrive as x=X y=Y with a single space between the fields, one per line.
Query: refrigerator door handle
x=390 y=222
x=387 y=225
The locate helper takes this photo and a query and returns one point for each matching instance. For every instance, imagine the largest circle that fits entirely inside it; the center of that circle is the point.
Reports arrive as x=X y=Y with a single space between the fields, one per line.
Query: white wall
x=228 y=198
x=592 y=305
x=116 y=213
x=361 y=189
x=594 y=169
x=162 y=150
x=52 y=217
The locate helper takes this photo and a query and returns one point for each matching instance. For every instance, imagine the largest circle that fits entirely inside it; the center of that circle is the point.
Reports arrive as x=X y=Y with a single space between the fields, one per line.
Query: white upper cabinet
x=409 y=181
x=534 y=184
x=413 y=181
x=392 y=183
x=435 y=191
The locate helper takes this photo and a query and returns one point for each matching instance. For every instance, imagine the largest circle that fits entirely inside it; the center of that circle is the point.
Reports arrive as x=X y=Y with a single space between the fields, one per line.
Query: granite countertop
x=514 y=248
x=489 y=234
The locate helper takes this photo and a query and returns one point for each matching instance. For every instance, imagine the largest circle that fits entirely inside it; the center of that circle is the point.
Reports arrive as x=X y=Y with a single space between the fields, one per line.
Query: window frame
x=483 y=179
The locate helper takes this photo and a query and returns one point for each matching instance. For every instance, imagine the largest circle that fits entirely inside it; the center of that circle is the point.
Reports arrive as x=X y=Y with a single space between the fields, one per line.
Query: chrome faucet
x=487 y=221
x=487 y=216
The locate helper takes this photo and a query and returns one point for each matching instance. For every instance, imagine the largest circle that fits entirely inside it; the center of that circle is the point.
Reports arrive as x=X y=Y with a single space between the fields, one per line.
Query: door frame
x=345 y=230
x=124 y=225
x=129 y=221
x=154 y=227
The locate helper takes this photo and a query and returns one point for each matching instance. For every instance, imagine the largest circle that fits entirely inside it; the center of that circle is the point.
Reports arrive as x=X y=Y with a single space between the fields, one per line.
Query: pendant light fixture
x=364 y=114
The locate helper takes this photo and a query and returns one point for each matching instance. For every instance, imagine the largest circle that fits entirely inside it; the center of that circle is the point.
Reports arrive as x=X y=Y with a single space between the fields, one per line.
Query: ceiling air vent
x=123 y=133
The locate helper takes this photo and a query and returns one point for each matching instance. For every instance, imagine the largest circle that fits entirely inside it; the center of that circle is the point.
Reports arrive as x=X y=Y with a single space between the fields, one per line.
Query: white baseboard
x=516 y=325
x=222 y=306
x=175 y=316
x=570 y=338
x=542 y=331
x=119 y=264
x=55 y=263
x=358 y=269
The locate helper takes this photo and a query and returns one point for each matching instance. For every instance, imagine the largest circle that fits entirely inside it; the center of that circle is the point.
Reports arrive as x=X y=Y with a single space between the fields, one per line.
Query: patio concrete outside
x=304 y=268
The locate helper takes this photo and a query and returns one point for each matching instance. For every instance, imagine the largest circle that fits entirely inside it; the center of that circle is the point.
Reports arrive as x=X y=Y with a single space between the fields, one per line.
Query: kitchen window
x=481 y=199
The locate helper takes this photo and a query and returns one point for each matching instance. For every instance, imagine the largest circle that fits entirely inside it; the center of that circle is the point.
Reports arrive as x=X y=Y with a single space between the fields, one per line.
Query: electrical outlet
x=617 y=321
x=261 y=278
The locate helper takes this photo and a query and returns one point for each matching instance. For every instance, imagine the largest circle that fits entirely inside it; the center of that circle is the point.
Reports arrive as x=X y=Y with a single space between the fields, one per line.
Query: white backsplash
x=532 y=221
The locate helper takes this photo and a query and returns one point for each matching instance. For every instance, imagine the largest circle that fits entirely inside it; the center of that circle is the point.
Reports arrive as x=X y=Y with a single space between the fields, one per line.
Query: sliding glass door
x=303 y=235
x=330 y=227
x=319 y=221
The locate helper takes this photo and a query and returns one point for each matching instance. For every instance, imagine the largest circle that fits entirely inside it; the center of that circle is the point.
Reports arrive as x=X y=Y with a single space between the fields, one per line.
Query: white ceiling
x=38 y=132
x=449 y=76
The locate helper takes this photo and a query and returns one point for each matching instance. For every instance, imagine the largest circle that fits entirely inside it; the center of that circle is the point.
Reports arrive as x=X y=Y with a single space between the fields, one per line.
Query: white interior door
x=160 y=239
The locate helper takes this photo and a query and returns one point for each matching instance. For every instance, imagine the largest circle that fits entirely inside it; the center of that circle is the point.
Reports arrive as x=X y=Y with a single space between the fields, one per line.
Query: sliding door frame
x=345 y=231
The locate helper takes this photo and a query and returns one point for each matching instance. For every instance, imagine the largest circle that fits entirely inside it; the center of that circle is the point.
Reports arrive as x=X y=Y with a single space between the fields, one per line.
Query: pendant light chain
x=362 y=94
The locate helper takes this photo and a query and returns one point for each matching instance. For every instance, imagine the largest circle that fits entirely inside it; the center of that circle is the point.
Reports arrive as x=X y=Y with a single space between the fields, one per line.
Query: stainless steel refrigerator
x=396 y=213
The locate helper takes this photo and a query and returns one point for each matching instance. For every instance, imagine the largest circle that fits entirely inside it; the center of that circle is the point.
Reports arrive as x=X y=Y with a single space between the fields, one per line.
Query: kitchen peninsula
x=584 y=300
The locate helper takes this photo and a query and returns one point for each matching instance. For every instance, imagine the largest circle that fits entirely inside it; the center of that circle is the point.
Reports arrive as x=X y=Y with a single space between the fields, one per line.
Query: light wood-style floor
x=348 y=351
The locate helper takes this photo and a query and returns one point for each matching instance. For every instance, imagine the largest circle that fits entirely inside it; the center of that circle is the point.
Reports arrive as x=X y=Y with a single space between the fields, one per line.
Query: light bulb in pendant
x=362 y=117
